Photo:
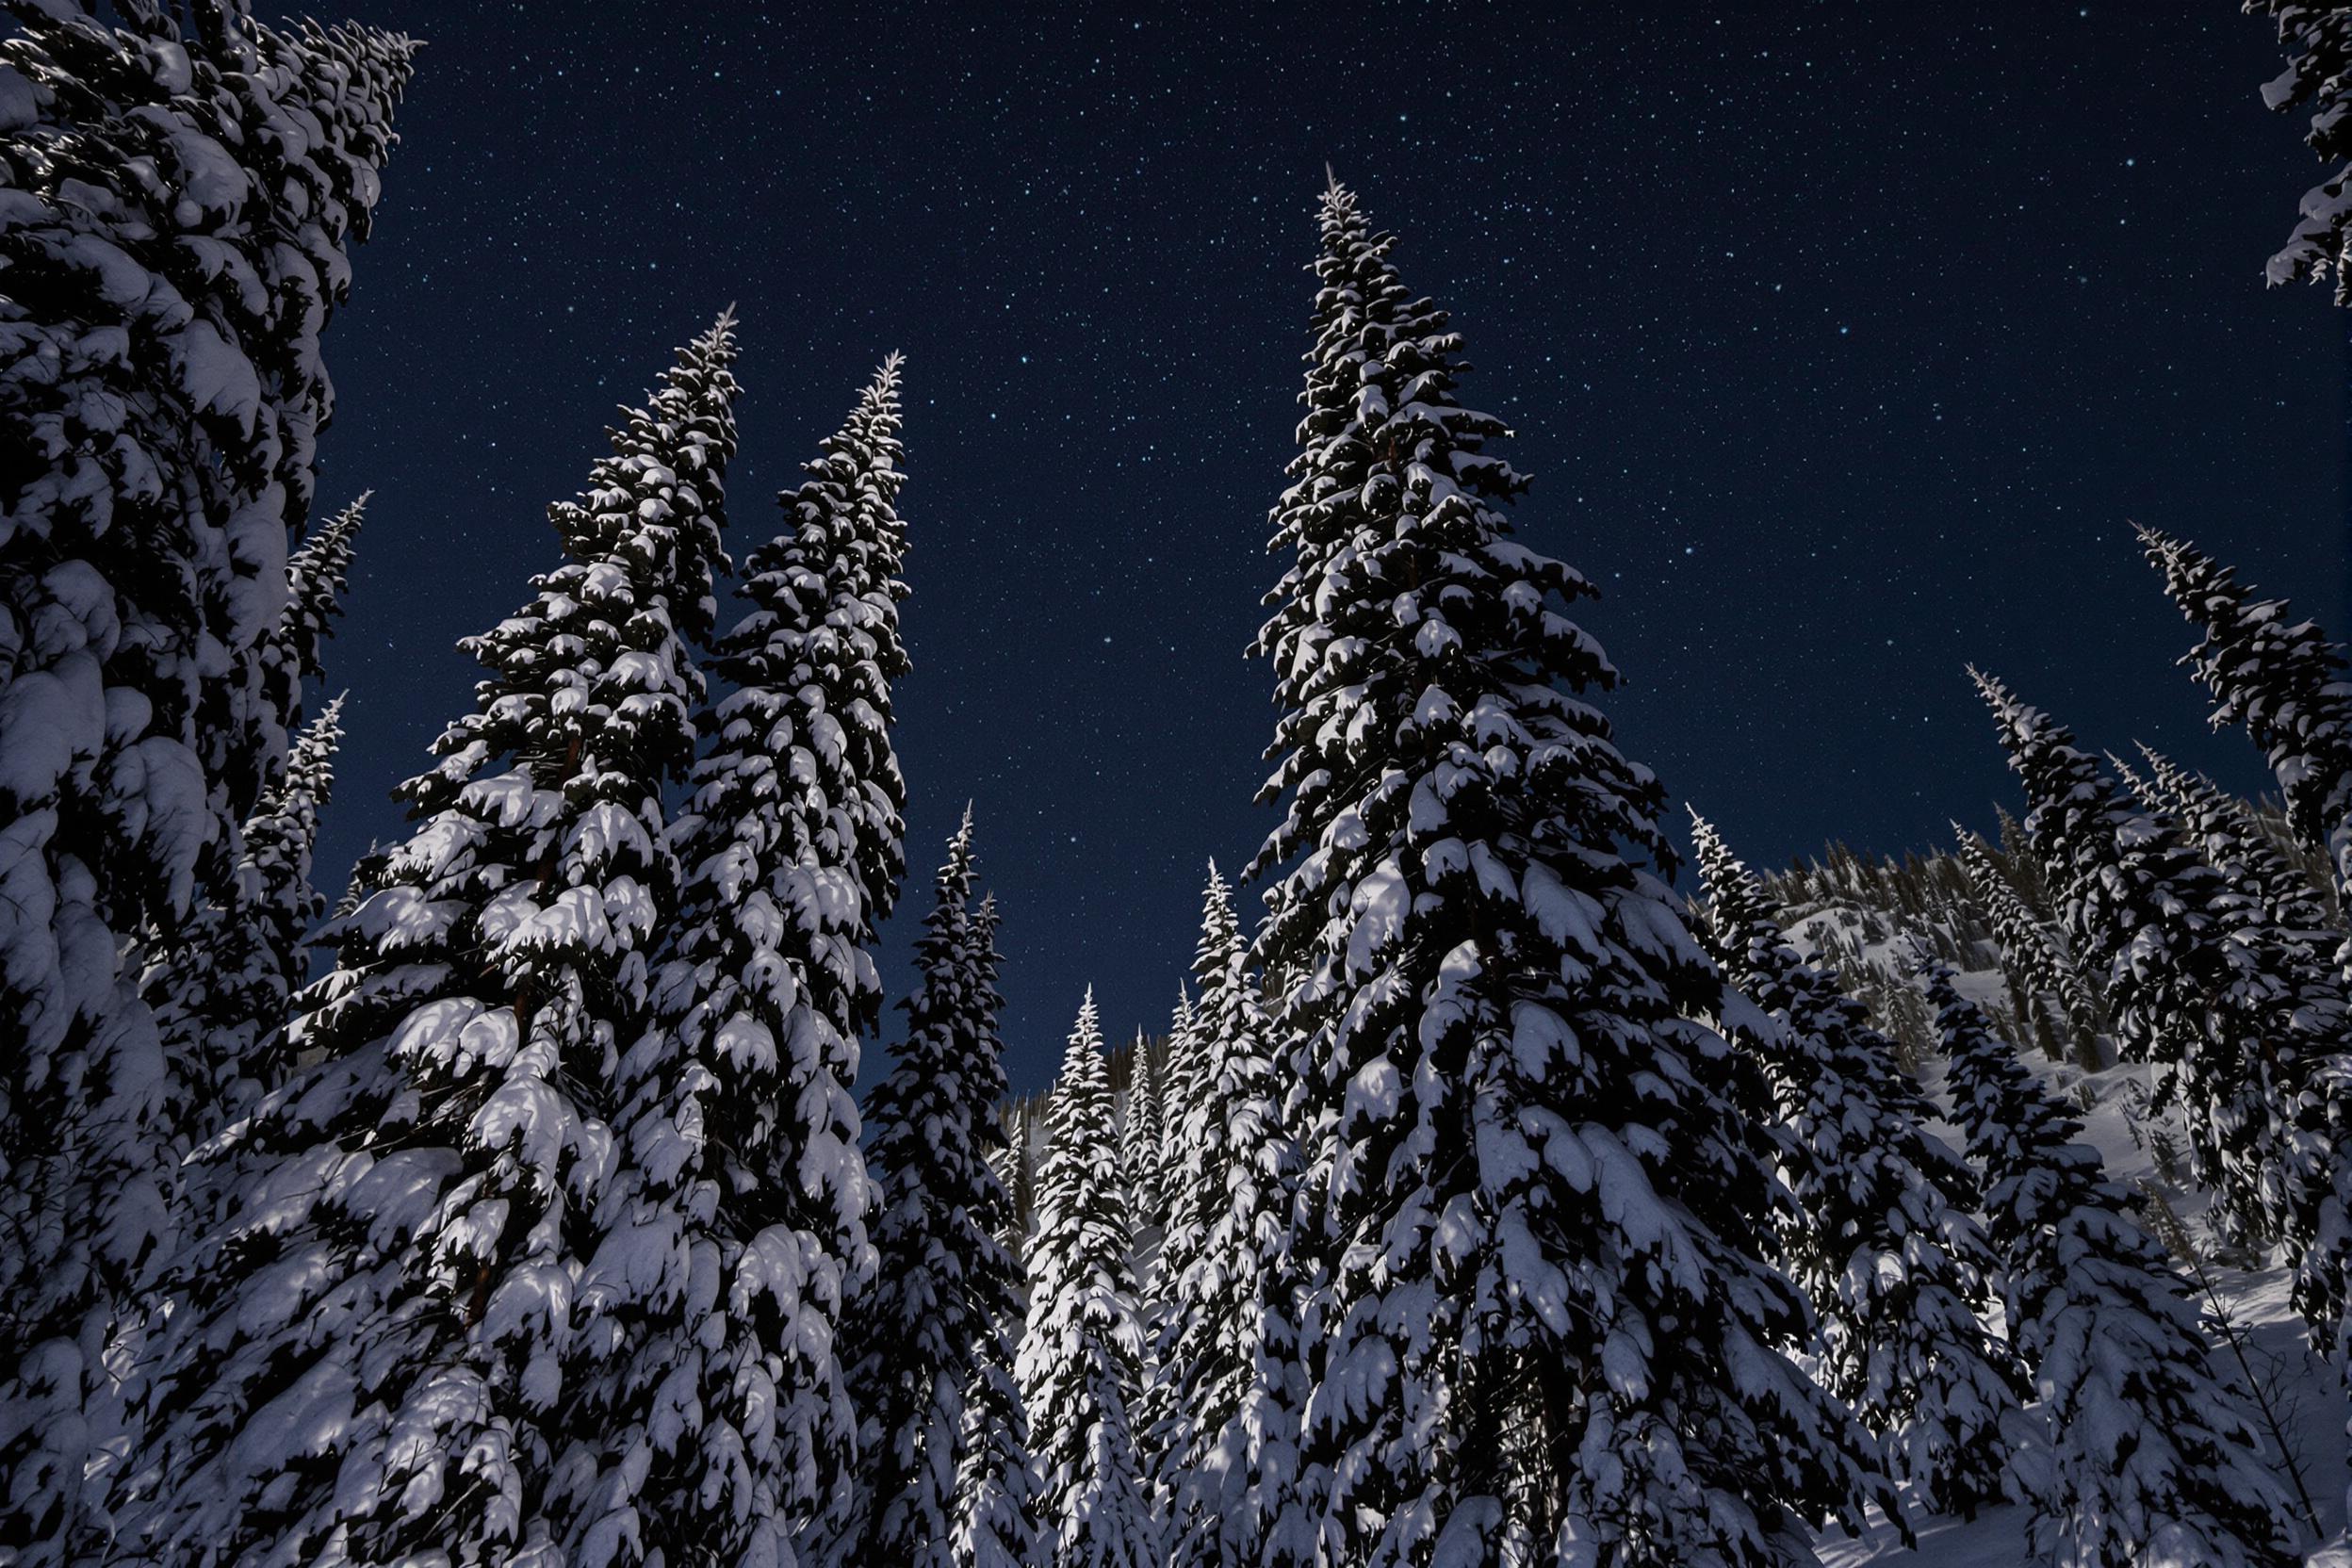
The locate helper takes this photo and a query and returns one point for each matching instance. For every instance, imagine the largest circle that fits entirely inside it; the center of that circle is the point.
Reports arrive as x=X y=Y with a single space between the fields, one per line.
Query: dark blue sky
x=1841 y=342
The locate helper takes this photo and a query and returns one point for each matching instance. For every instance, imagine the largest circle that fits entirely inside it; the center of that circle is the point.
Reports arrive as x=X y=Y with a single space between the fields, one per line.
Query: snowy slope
x=2111 y=1104
x=1996 y=1539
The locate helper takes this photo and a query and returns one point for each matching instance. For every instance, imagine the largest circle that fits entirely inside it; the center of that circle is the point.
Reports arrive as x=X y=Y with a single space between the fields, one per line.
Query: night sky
x=1842 y=343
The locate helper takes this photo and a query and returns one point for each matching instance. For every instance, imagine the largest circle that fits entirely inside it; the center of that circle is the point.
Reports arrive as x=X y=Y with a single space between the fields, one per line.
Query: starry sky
x=1841 y=342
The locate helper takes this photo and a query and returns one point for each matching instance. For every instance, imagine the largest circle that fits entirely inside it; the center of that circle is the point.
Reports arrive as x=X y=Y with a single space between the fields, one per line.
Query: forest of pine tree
x=1497 y=1194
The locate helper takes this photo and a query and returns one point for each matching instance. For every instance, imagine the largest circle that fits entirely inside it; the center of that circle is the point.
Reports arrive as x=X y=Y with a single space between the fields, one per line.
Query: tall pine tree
x=2309 y=1179
x=2305 y=993
x=379 y=1353
x=1891 y=1262
x=1180 y=1243
x=221 y=991
x=1186 y=1082
x=2286 y=683
x=1544 y=1325
x=279 y=844
x=2152 y=1459
x=2030 y=950
x=1141 y=1135
x=315 y=577
x=220 y=982
x=738 y=1230
x=2161 y=927
x=2225 y=829
x=1081 y=1355
x=944 y=1285
x=1225 y=1423
x=996 y=1483
x=2283 y=680
x=183 y=195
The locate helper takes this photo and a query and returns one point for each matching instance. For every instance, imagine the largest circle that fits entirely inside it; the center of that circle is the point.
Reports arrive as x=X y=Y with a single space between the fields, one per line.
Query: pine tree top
x=1408 y=608
x=1084 y=1222
x=310 y=767
x=805 y=737
x=1478 y=959
x=844 y=538
x=1082 y=1091
x=2281 y=678
x=2239 y=848
x=949 y=1068
x=593 y=677
x=2237 y=625
x=1737 y=904
x=316 y=575
x=646 y=504
x=946 y=929
x=2129 y=877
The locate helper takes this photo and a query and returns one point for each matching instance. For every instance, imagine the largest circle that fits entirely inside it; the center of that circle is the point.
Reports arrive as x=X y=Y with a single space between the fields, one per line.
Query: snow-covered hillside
x=2276 y=1355
x=1865 y=917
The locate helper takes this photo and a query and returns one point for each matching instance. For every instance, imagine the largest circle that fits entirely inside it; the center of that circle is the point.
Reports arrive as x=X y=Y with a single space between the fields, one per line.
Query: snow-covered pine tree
x=1009 y=1158
x=2156 y=923
x=221 y=981
x=931 y=1327
x=1081 y=1356
x=2030 y=949
x=2152 y=1459
x=2280 y=678
x=737 y=1231
x=1185 y=1086
x=1141 y=1135
x=1224 y=1431
x=2318 y=78
x=2236 y=846
x=1142 y=1128
x=1179 y=1240
x=221 y=991
x=378 y=1353
x=1542 y=1322
x=2144 y=794
x=996 y=1483
x=2024 y=869
x=834 y=571
x=2299 y=1049
x=279 y=844
x=1891 y=1262
x=316 y=576
x=178 y=233
x=2299 y=957
x=2303 y=1036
